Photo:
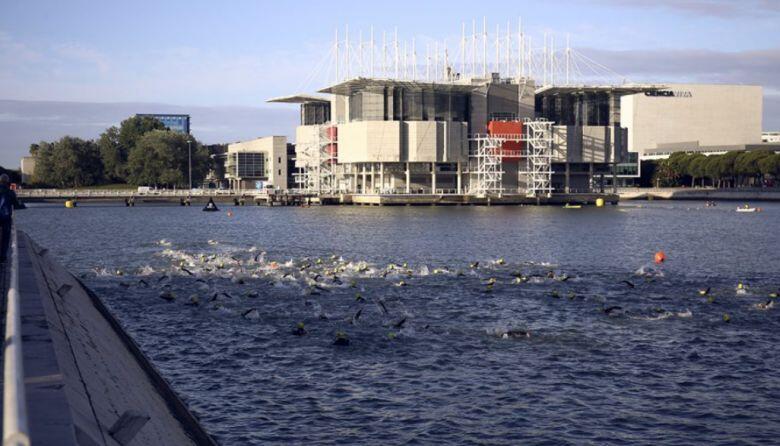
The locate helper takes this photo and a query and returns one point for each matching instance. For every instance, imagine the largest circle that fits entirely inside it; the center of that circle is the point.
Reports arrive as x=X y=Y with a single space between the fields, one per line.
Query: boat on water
x=572 y=206
x=747 y=208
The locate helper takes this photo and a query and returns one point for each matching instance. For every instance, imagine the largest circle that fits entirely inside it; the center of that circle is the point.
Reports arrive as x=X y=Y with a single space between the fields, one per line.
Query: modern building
x=705 y=118
x=474 y=135
x=177 y=123
x=27 y=169
x=257 y=164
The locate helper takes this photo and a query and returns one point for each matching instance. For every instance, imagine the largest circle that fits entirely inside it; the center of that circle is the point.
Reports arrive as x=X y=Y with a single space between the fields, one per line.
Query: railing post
x=15 y=432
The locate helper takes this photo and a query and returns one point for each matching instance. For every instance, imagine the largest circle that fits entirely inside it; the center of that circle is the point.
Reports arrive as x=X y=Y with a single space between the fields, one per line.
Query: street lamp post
x=189 y=151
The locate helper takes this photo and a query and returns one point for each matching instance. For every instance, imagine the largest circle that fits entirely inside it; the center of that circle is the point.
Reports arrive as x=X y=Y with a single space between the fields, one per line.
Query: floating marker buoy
x=70 y=204
x=599 y=202
x=660 y=257
x=229 y=213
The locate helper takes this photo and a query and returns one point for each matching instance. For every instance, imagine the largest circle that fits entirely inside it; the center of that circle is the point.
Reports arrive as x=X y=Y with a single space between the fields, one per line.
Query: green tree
x=69 y=162
x=746 y=165
x=770 y=165
x=695 y=168
x=665 y=175
x=113 y=154
x=132 y=129
x=160 y=158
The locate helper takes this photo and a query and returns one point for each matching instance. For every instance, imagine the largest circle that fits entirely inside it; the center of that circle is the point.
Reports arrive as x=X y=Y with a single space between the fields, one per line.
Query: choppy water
x=428 y=362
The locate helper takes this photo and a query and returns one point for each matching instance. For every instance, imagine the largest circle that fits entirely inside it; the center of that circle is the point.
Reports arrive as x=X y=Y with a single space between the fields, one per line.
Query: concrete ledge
x=679 y=193
x=86 y=381
x=451 y=200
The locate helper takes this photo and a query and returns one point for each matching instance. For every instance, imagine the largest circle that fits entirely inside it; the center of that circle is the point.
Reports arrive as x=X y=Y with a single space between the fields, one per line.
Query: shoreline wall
x=86 y=381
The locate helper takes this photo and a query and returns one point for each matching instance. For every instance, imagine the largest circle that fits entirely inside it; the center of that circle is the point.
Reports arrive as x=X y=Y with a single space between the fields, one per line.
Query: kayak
x=748 y=209
x=572 y=206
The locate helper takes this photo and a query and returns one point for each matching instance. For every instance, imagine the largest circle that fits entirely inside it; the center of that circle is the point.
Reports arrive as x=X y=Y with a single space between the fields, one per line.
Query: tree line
x=140 y=152
x=753 y=168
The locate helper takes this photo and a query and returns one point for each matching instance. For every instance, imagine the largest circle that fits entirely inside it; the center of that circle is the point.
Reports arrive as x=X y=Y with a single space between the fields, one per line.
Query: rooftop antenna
x=361 y=71
x=372 y=51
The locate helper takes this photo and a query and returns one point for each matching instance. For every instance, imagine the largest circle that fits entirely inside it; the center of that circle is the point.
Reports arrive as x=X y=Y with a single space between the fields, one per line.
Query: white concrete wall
x=712 y=115
x=275 y=149
x=421 y=140
x=370 y=141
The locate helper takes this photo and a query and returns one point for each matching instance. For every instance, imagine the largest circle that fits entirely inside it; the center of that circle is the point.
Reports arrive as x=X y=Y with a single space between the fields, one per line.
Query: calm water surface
x=428 y=360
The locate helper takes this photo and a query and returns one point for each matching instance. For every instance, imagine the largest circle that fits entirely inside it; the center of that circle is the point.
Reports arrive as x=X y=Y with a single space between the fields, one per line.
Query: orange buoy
x=660 y=257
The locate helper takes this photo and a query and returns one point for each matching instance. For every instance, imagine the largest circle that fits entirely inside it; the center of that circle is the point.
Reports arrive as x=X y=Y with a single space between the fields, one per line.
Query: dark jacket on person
x=8 y=202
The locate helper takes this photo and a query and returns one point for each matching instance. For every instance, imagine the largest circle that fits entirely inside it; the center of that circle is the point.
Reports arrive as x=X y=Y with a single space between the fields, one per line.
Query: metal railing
x=15 y=431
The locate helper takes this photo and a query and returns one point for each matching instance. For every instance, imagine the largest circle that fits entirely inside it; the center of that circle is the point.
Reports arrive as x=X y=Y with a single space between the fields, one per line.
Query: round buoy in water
x=660 y=257
x=599 y=202
x=229 y=213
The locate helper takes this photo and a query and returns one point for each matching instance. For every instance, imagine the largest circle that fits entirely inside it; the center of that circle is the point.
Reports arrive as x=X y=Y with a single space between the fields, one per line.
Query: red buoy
x=660 y=257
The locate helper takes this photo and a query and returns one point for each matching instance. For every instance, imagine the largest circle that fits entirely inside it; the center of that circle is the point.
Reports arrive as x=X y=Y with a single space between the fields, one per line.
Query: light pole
x=189 y=151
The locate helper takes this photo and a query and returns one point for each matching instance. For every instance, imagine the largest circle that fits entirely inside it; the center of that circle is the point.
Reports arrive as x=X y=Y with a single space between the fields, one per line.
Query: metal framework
x=316 y=161
x=539 y=157
x=486 y=172
x=486 y=159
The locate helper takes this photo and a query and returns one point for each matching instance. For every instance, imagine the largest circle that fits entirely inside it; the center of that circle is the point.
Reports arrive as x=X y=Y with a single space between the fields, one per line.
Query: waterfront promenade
x=85 y=381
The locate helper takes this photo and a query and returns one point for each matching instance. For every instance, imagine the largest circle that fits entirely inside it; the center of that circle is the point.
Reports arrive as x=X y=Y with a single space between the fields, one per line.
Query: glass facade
x=250 y=165
x=176 y=123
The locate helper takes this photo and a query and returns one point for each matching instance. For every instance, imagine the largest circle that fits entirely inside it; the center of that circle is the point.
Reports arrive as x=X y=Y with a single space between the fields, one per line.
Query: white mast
x=427 y=62
x=568 y=58
x=484 y=46
x=436 y=62
x=463 y=48
x=473 y=47
x=346 y=49
x=372 y=51
x=552 y=60
x=404 y=61
x=508 y=50
x=384 y=54
x=337 y=56
x=361 y=70
x=395 y=45
x=414 y=60
x=498 y=48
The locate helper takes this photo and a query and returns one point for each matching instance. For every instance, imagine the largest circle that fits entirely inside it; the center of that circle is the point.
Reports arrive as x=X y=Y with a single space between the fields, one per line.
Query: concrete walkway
x=86 y=381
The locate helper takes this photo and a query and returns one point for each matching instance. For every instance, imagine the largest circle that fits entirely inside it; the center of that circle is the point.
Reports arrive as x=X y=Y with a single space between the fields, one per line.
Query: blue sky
x=239 y=53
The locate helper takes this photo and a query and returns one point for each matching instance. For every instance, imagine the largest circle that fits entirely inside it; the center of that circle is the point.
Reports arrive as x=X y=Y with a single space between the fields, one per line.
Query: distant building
x=770 y=137
x=257 y=164
x=705 y=118
x=27 y=169
x=177 y=123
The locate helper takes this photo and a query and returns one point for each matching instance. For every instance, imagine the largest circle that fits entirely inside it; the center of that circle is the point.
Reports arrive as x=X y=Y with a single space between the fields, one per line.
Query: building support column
x=590 y=177
x=408 y=179
x=373 y=178
x=381 y=177
x=363 y=186
x=433 y=178
x=354 y=179
x=459 y=181
x=566 y=183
